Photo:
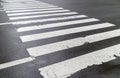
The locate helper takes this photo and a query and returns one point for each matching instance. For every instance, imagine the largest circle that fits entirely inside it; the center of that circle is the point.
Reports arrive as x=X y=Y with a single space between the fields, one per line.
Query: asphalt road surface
x=59 y=39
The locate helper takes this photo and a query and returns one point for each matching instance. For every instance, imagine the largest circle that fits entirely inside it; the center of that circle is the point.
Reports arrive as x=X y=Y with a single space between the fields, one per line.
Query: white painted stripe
x=29 y=10
x=25 y=5
x=50 y=19
x=30 y=3
x=19 y=6
x=17 y=14
x=6 y=23
x=68 y=67
x=38 y=36
x=60 y=24
x=25 y=8
x=58 y=46
x=43 y=15
x=16 y=62
x=103 y=36
x=54 y=47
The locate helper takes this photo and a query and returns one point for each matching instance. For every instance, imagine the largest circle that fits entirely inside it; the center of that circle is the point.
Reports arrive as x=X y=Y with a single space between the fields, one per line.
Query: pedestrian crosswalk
x=50 y=19
x=53 y=34
x=43 y=15
x=54 y=47
x=39 y=16
x=20 y=14
x=68 y=67
x=16 y=62
x=61 y=24
x=32 y=10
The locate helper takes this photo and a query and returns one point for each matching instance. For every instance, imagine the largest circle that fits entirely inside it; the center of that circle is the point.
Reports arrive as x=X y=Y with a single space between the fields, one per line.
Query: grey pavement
x=13 y=48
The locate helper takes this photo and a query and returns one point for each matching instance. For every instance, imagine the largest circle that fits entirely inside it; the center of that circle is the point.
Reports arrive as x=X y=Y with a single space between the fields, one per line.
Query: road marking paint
x=60 y=24
x=51 y=19
x=6 y=23
x=27 y=5
x=55 y=11
x=38 y=36
x=25 y=8
x=68 y=67
x=16 y=62
x=43 y=15
x=54 y=47
x=19 y=6
x=29 y=10
x=103 y=36
x=62 y=45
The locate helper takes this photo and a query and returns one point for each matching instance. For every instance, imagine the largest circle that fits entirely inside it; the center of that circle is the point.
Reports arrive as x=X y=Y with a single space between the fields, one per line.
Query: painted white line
x=103 y=36
x=43 y=15
x=25 y=8
x=29 y=10
x=16 y=62
x=56 y=11
x=38 y=36
x=54 y=47
x=6 y=23
x=19 y=6
x=50 y=19
x=68 y=67
x=27 y=3
x=60 y=24
x=62 y=45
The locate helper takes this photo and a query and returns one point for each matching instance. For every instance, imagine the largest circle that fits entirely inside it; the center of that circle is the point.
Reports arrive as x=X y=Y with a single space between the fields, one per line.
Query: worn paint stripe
x=68 y=67
x=43 y=15
x=16 y=62
x=60 y=24
x=38 y=36
x=29 y=10
x=55 y=11
x=6 y=23
x=62 y=45
x=51 y=19
x=54 y=47
x=25 y=8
